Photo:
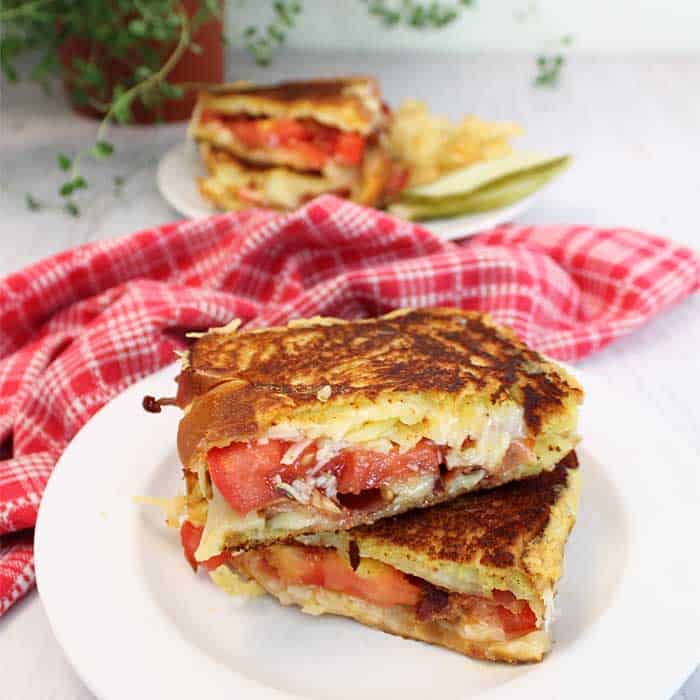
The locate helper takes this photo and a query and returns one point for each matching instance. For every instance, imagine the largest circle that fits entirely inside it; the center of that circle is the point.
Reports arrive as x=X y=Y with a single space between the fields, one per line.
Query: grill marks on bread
x=491 y=527
x=444 y=350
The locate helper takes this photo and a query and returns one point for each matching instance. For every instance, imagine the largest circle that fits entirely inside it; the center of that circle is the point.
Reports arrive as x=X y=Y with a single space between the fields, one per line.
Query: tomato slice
x=517 y=622
x=244 y=473
x=349 y=148
x=190 y=537
x=247 y=131
x=373 y=581
x=359 y=469
x=316 y=143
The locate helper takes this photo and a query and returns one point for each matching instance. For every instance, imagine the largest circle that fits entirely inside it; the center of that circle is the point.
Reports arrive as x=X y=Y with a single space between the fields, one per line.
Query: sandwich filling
x=233 y=183
x=312 y=144
x=275 y=484
x=294 y=572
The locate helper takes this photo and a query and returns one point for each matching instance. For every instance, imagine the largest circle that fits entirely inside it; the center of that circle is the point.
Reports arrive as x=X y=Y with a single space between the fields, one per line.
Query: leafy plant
x=143 y=39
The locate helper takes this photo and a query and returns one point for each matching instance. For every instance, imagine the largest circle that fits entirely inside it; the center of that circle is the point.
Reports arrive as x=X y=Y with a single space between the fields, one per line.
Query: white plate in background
x=180 y=167
x=136 y=622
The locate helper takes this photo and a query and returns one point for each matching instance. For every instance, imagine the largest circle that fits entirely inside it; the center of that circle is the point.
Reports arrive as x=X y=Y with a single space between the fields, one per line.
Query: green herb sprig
x=418 y=15
x=550 y=66
x=262 y=43
x=146 y=38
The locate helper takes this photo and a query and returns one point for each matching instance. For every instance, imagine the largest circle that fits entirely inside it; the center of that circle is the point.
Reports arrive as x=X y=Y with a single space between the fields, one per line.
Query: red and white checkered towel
x=78 y=328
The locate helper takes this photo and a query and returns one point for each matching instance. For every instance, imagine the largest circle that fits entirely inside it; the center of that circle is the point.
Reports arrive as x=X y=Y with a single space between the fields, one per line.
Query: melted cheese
x=223 y=521
x=174 y=508
x=404 y=423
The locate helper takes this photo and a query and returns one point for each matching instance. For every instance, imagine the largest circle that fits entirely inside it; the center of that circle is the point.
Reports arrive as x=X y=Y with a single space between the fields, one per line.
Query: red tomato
x=247 y=130
x=296 y=564
x=515 y=615
x=359 y=469
x=349 y=148
x=286 y=131
x=190 y=537
x=518 y=622
x=244 y=473
x=315 y=566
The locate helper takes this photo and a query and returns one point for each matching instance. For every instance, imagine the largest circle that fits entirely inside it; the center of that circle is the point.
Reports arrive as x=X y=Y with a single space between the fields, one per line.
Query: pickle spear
x=499 y=187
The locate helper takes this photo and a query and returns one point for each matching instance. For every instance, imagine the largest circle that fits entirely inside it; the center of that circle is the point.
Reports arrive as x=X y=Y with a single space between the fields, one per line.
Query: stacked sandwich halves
x=279 y=146
x=414 y=472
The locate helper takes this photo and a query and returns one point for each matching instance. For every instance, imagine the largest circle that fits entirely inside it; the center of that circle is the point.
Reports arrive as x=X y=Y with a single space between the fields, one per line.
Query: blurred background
x=615 y=26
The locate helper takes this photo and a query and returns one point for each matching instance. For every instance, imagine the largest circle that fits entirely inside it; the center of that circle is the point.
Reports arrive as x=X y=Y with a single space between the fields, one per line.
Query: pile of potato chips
x=432 y=146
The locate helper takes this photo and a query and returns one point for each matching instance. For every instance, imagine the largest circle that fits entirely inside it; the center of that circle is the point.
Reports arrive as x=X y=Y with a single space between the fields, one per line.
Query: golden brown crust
x=260 y=375
x=493 y=528
x=322 y=90
x=351 y=103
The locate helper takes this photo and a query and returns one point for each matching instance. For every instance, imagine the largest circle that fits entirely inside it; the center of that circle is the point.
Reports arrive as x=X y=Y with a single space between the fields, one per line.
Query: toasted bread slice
x=350 y=104
x=326 y=424
x=483 y=569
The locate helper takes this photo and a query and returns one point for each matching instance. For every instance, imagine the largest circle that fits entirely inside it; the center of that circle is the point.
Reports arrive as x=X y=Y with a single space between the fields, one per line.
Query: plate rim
x=675 y=667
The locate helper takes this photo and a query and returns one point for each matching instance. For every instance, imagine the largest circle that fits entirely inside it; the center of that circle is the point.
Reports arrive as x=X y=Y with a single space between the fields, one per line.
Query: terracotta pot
x=205 y=67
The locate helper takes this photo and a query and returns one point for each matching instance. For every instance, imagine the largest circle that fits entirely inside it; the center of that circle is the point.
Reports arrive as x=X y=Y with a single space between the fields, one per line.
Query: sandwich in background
x=279 y=146
x=325 y=424
x=477 y=575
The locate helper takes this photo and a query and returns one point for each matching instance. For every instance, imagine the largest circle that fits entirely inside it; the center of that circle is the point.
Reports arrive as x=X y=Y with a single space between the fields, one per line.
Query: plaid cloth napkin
x=78 y=328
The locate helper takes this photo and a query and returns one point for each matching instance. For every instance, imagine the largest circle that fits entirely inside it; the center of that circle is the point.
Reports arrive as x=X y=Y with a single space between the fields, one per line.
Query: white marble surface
x=631 y=123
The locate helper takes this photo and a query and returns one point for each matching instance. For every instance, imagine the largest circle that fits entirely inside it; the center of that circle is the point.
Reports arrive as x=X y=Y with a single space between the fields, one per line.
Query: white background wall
x=620 y=26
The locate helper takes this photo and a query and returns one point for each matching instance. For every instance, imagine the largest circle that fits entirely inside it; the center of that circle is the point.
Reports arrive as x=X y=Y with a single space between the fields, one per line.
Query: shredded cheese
x=174 y=508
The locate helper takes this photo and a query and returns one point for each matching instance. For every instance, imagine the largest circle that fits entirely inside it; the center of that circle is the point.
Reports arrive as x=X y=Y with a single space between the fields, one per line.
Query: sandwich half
x=279 y=145
x=476 y=575
x=304 y=125
x=324 y=424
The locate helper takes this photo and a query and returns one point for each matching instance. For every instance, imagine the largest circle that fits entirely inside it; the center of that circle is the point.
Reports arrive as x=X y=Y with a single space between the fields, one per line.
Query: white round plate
x=180 y=167
x=136 y=622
